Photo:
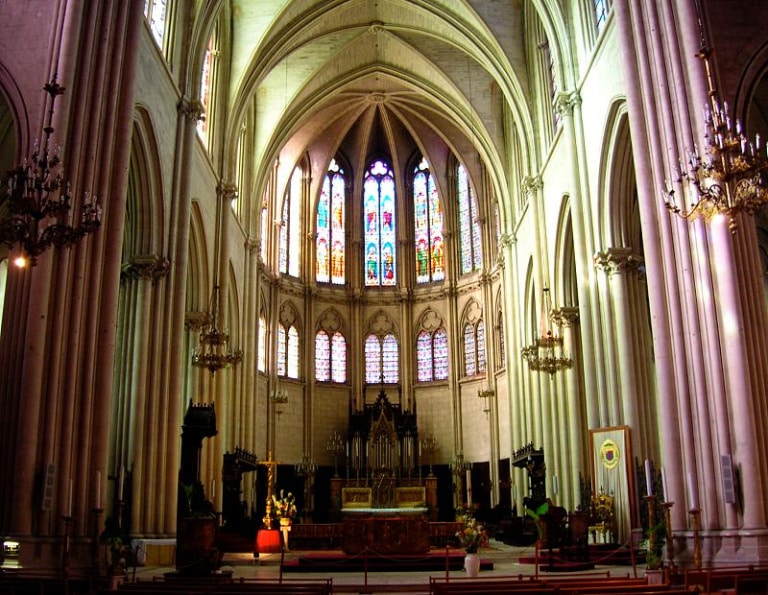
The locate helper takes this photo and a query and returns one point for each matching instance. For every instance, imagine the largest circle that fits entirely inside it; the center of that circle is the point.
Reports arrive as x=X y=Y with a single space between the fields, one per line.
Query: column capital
x=532 y=184
x=566 y=316
x=147 y=267
x=617 y=260
x=191 y=109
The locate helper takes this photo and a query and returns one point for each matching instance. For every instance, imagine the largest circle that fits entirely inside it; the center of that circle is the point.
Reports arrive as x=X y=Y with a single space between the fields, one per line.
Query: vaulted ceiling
x=368 y=76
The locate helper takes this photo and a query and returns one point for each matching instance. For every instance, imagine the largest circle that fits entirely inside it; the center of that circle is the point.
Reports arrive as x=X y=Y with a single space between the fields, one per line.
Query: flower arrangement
x=285 y=505
x=472 y=536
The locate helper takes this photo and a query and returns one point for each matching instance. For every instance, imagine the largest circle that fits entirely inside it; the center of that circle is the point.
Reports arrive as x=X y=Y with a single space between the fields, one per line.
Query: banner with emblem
x=611 y=468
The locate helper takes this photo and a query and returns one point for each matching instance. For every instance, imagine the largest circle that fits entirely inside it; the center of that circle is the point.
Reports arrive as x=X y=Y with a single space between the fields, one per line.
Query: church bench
x=242 y=586
x=722 y=579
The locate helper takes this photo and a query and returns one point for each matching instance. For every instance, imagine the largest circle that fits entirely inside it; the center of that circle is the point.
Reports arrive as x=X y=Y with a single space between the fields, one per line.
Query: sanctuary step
x=331 y=562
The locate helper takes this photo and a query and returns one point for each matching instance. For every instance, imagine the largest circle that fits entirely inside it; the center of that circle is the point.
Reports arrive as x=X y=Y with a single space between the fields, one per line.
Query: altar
x=385 y=534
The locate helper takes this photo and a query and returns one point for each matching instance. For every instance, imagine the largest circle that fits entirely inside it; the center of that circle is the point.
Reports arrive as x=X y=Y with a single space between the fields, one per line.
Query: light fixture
x=547 y=354
x=335 y=446
x=307 y=466
x=732 y=175
x=430 y=446
x=213 y=351
x=39 y=200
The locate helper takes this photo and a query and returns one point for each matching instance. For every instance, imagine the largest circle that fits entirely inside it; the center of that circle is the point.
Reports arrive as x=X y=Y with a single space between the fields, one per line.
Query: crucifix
x=270 y=464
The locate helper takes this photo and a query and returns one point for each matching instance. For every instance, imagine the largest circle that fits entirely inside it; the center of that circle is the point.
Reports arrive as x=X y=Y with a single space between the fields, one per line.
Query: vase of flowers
x=472 y=537
x=284 y=507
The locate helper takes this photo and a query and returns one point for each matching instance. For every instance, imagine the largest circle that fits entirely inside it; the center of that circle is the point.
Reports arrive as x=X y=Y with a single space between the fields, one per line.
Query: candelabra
x=459 y=468
x=430 y=446
x=732 y=175
x=486 y=394
x=306 y=469
x=213 y=350
x=546 y=354
x=39 y=200
x=335 y=446
x=668 y=526
x=696 y=524
x=67 y=518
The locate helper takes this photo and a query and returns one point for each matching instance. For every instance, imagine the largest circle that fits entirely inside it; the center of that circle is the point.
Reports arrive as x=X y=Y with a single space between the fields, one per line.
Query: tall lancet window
x=290 y=245
x=154 y=12
x=432 y=355
x=428 y=226
x=474 y=348
x=381 y=359
x=330 y=357
x=379 y=225
x=470 y=239
x=208 y=78
x=330 y=241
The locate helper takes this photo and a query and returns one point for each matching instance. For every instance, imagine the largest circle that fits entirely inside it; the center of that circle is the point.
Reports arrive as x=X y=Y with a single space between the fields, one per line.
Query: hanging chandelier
x=35 y=213
x=547 y=353
x=731 y=177
x=213 y=350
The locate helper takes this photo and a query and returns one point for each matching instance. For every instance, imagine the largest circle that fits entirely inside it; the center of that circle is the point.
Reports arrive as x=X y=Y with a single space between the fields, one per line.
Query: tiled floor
x=505 y=560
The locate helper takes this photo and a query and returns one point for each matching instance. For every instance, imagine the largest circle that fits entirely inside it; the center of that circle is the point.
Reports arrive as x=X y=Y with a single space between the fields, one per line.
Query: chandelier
x=213 y=350
x=35 y=214
x=732 y=175
x=547 y=353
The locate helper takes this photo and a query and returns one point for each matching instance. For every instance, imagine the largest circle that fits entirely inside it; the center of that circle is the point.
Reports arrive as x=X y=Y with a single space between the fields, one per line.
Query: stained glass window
x=206 y=88
x=474 y=348
x=381 y=359
x=287 y=352
x=154 y=12
x=262 y=357
x=322 y=357
x=290 y=244
x=440 y=357
x=428 y=226
x=379 y=225
x=282 y=347
x=330 y=357
x=470 y=240
x=602 y=7
x=330 y=233
x=500 y=332
x=480 y=342
x=470 y=362
x=264 y=234
x=338 y=358
x=372 y=359
x=432 y=355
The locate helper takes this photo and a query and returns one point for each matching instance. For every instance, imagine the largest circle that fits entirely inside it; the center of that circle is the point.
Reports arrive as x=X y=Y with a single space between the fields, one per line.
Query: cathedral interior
x=504 y=208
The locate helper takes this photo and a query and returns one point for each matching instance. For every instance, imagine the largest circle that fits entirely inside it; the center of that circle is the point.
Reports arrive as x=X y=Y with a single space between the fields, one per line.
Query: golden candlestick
x=668 y=526
x=651 y=500
x=696 y=522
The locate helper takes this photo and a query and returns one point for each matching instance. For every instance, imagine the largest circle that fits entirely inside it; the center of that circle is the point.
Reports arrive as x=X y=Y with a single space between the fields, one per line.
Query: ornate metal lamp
x=547 y=354
x=732 y=175
x=213 y=350
x=335 y=446
x=35 y=213
x=430 y=446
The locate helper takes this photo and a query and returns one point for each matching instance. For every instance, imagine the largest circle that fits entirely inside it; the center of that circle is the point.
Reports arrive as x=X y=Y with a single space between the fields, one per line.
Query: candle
x=98 y=489
x=664 y=484
x=71 y=493
x=693 y=492
x=648 y=478
x=554 y=485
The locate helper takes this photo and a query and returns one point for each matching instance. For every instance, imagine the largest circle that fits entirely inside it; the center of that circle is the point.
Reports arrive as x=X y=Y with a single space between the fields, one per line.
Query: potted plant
x=654 y=560
x=472 y=537
x=116 y=541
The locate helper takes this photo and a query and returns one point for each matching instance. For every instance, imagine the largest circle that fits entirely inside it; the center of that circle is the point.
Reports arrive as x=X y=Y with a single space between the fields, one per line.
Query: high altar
x=385 y=503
